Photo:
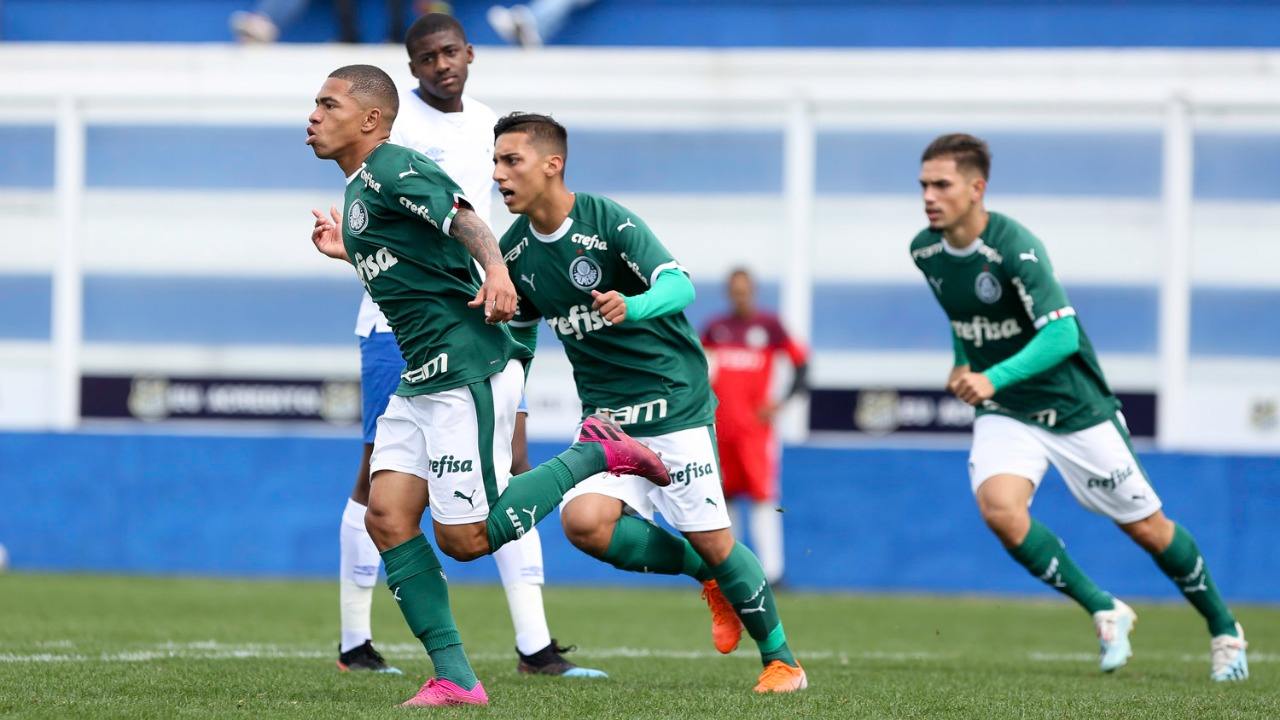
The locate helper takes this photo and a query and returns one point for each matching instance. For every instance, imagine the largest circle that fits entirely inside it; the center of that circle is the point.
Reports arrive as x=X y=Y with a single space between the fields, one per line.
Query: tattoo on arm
x=468 y=229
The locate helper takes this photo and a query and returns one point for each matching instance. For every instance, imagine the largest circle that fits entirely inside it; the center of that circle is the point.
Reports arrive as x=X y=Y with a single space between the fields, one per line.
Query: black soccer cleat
x=550 y=661
x=364 y=658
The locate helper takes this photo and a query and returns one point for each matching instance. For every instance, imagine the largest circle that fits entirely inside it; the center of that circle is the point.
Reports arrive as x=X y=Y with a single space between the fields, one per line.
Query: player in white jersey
x=439 y=120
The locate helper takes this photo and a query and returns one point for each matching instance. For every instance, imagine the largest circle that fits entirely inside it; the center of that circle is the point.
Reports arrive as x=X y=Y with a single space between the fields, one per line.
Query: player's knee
x=387 y=528
x=1153 y=534
x=1008 y=522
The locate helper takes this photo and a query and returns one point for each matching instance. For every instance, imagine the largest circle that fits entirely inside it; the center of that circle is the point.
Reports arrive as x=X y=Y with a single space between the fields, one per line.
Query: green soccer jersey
x=398 y=209
x=997 y=293
x=649 y=375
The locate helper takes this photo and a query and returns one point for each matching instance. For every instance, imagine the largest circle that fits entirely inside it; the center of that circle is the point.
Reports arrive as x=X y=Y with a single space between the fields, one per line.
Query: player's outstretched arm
x=327 y=234
x=497 y=295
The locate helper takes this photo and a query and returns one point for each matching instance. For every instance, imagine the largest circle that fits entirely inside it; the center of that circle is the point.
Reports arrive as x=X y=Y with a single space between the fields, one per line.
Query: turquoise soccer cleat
x=1113 y=628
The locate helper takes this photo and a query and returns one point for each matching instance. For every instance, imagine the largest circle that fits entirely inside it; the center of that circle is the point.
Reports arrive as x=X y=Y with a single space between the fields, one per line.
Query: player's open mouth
x=311 y=135
x=506 y=194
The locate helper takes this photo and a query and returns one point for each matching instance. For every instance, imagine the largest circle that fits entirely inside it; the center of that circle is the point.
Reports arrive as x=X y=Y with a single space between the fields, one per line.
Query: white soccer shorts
x=458 y=440
x=693 y=502
x=1097 y=463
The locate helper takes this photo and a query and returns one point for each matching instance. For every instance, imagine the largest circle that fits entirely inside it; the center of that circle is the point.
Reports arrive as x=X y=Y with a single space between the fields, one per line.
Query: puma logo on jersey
x=458 y=494
x=1029 y=255
x=410 y=171
x=529 y=279
x=625 y=225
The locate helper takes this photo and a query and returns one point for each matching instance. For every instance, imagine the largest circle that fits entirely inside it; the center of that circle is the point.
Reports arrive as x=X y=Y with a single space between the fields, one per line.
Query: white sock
x=766 y=537
x=520 y=566
x=358 y=560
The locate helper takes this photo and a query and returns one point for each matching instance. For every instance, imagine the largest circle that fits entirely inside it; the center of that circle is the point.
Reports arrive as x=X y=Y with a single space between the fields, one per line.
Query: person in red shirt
x=741 y=346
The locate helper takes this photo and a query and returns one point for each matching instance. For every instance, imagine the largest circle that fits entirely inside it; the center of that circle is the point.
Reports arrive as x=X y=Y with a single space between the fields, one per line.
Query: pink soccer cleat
x=437 y=692
x=623 y=454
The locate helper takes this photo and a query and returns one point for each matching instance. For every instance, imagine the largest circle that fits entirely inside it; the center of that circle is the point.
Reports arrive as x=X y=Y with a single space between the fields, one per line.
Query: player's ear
x=979 y=187
x=372 y=118
x=555 y=165
x=471 y=54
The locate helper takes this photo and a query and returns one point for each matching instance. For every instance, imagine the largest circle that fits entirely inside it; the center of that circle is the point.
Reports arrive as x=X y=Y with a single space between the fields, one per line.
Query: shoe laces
x=1223 y=650
x=776 y=673
x=719 y=604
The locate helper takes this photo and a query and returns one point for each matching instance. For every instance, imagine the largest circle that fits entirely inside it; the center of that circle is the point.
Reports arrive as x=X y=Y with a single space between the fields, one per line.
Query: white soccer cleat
x=1113 y=628
x=1228 y=657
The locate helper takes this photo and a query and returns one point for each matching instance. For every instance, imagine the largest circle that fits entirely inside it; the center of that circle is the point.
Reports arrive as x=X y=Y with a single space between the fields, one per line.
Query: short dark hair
x=373 y=86
x=430 y=24
x=741 y=270
x=969 y=152
x=541 y=129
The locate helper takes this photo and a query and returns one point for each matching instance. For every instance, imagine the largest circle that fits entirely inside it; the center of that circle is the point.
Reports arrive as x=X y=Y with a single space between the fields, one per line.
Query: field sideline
x=95 y=646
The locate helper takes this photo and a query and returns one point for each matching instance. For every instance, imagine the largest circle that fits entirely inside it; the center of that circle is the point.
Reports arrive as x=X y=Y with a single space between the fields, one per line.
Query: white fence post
x=1175 y=282
x=67 y=279
x=799 y=169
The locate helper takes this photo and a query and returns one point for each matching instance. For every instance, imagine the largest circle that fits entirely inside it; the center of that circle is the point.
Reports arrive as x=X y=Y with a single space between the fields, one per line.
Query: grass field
x=89 y=647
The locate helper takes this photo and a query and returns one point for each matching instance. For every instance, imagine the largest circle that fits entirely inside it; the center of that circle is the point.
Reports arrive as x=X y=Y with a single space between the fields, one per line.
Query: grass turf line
x=92 y=647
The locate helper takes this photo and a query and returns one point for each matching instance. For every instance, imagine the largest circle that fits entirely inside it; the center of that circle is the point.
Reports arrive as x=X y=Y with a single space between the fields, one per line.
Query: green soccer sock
x=1184 y=564
x=531 y=496
x=638 y=545
x=418 y=585
x=1045 y=556
x=742 y=581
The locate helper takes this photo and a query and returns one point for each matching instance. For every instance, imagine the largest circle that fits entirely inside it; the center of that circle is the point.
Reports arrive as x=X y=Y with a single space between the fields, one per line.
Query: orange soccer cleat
x=726 y=628
x=779 y=677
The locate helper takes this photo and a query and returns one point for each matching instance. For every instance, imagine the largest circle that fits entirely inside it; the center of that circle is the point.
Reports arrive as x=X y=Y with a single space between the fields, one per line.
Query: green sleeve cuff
x=957 y=346
x=1052 y=344
x=672 y=292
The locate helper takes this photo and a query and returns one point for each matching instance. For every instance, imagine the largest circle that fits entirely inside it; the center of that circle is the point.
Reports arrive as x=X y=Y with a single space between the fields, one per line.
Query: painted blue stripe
x=1122 y=164
x=847 y=316
x=1235 y=321
x=257 y=311
x=28 y=156
x=25 y=304
x=1106 y=164
x=1237 y=166
x=173 y=157
x=713 y=161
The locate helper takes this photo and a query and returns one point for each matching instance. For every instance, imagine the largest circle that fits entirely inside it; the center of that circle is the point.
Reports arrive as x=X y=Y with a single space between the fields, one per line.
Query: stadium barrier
x=855 y=519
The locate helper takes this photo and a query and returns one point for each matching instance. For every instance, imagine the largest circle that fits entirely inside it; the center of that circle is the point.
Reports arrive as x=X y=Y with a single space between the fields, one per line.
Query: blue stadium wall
x=856 y=519
x=714 y=23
